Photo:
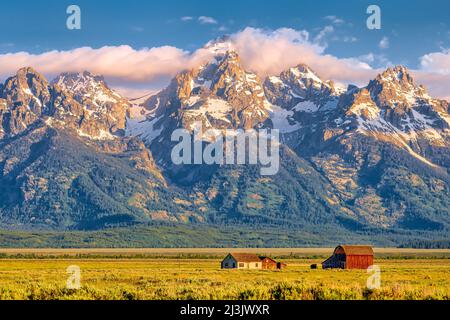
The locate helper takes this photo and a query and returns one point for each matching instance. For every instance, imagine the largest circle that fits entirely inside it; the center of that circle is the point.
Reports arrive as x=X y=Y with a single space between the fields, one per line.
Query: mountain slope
x=74 y=154
x=62 y=166
x=385 y=150
x=356 y=161
x=107 y=107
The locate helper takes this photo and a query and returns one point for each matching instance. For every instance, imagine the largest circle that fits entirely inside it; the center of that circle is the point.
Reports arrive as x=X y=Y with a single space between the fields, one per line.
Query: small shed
x=241 y=261
x=281 y=265
x=350 y=257
x=268 y=263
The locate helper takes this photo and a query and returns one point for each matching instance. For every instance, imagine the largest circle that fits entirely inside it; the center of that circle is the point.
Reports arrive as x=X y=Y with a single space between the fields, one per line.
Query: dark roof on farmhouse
x=357 y=250
x=245 y=257
x=263 y=258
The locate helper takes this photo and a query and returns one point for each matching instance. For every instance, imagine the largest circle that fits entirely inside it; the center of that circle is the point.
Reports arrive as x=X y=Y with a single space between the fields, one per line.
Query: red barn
x=268 y=263
x=350 y=257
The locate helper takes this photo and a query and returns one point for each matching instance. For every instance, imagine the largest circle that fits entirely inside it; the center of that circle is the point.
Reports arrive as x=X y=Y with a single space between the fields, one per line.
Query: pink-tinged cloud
x=435 y=73
x=271 y=52
x=438 y=62
x=121 y=62
x=265 y=52
x=438 y=84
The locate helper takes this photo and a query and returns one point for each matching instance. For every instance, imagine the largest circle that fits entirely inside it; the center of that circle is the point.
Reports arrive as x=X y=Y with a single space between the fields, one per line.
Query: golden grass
x=203 y=279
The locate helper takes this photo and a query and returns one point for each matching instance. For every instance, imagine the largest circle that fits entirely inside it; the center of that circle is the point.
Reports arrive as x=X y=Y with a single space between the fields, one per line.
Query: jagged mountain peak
x=303 y=78
x=27 y=91
x=27 y=80
x=399 y=74
x=87 y=85
x=81 y=102
x=76 y=77
x=307 y=75
x=303 y=68
x=229 y=59
x=395 y=87
x=105 y=110
x=219 y=46
x=231 y=55
x=27 y=70
x=301 y=89
x=27 y=77
x=394 y=108
x=231 y=74
x=221 y=94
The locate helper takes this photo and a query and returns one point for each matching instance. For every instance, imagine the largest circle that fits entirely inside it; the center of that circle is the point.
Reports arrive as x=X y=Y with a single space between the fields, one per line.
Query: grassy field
x=196 y=274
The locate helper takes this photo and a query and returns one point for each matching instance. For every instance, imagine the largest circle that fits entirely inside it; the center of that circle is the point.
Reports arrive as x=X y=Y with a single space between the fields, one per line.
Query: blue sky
x=156 y=23
x=410 y=29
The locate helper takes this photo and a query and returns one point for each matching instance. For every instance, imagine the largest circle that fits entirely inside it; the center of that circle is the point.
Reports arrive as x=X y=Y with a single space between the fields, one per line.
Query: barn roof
x=245 y=257
x=263 y=258
x=357 y=250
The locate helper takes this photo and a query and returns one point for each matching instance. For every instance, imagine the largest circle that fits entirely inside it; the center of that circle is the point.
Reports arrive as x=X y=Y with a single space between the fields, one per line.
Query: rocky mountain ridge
x=371 y=157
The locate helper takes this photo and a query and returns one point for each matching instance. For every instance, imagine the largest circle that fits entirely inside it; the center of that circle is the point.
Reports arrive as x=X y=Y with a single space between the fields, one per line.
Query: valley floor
x=184 y=274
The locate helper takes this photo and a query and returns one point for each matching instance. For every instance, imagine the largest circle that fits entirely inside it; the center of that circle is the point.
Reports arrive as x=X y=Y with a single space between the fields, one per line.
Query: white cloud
x=201 y=19
x=121 y=62
x=384 y=43
x=335 y=20
x=222 y=29
x=207 y=20
x=438 y=62
x=435 y=72
x=320 y=38
x=271 y=52
x=186 y=18
x=266 y=52
x=436 y=83
x=350 y=39
x=376 y=60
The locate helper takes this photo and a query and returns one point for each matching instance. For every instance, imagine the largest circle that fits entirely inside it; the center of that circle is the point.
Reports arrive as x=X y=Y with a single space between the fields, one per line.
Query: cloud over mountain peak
x=265 y=52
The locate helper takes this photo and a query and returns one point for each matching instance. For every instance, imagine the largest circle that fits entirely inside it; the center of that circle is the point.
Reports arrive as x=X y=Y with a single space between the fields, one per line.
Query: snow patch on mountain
x=283 y=120
x=144 y=128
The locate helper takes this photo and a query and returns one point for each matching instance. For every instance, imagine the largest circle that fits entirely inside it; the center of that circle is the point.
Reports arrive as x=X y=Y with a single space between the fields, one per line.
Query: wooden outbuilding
x=268 y=263
x=350 y=257
x=281 y=265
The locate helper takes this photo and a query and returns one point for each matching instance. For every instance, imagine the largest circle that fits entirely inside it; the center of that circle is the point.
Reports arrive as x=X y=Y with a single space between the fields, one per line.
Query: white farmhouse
x=241 y=261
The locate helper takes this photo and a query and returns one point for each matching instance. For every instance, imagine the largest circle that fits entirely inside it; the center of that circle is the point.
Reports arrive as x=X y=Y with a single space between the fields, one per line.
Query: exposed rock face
x=29 y=89
x=30 y=98
x=391 y=108
x=395 y=88
x=301 y=102
x=3 y=109
x=220 y=94
x=302 y=89
x=391 y=129
x=394 y=107
x=106 y=109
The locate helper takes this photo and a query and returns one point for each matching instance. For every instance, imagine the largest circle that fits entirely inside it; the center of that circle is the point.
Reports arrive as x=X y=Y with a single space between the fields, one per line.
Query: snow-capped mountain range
x=340 y=149
x=222 y=95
